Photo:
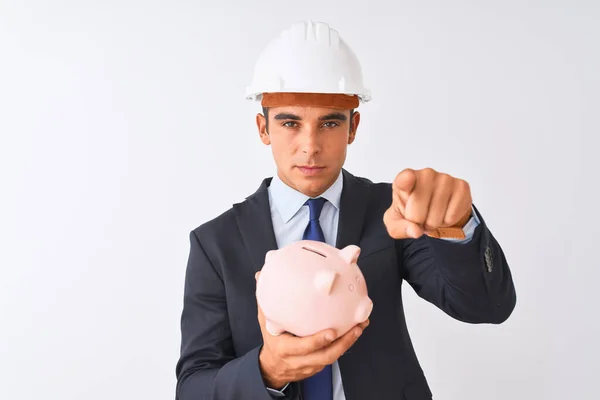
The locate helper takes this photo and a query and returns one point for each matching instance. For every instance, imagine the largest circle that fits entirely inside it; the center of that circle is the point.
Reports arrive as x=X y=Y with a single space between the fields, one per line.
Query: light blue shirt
x=290 y=217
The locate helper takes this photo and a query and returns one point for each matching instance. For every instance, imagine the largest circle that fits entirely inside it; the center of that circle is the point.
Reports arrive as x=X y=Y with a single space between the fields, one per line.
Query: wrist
x=265 y=364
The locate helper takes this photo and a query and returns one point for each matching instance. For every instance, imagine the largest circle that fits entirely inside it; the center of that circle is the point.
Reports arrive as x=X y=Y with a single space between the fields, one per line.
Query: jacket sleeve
x=470 y=281
x=208 y=367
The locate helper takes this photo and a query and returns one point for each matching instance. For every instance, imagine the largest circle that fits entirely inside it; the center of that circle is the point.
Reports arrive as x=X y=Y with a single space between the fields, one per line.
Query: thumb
x=400 y=228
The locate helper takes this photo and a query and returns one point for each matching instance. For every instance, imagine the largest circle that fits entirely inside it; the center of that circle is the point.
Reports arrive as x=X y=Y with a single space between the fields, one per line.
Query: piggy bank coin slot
x=314 y=251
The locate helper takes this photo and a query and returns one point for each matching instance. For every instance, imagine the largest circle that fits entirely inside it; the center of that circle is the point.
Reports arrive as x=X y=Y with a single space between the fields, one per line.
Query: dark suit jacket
x=221 y=337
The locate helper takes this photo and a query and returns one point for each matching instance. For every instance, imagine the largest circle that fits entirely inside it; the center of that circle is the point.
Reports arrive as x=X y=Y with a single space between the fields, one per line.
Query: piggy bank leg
x=273 y=328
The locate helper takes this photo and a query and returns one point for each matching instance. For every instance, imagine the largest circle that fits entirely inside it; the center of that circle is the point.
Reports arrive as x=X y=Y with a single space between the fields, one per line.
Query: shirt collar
x=288 y=201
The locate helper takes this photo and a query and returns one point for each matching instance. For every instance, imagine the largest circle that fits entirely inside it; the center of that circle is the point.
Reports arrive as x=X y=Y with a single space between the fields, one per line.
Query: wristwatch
x=452 y=232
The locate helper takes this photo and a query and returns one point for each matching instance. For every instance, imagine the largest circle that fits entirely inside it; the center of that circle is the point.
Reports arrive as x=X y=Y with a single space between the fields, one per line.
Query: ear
x=350 y=253
x=324 y=280
x=355 y=122
x=261 y=124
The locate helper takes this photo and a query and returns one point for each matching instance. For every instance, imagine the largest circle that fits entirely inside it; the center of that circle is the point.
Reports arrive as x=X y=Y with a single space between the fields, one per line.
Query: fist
x=423 y=201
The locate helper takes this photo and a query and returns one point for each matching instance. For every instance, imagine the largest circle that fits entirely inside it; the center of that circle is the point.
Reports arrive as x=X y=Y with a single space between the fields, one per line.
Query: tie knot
x=315 y=206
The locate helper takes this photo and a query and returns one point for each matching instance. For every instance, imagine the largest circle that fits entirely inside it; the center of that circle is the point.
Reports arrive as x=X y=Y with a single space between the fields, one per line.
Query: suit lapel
x=353 y=207
x=255 y=224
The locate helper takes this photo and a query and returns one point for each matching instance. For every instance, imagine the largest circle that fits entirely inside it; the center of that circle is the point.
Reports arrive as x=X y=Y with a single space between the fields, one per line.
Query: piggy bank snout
x=363 y=310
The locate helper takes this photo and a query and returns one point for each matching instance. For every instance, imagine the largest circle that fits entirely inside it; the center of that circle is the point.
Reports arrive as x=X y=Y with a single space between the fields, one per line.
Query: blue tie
x=318 y=386
x=313 y=229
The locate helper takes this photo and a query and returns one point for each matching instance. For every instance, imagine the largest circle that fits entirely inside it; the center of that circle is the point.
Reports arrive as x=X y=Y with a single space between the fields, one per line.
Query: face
x=308 y=144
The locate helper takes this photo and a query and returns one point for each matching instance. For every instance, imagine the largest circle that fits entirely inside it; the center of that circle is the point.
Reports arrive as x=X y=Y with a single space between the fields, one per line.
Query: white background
x=123 y=126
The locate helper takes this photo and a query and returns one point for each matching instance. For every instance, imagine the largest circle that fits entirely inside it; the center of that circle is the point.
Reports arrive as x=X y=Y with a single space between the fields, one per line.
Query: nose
x=310 y=142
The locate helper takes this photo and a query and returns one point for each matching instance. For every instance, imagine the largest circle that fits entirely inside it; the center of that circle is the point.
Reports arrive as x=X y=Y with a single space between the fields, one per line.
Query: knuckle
x=450 y=219
x=350 y=338
x=428 y=172
x=433 y=223
x=433 y=220
x=463 y=185
x=288 y=367
x=453 y=217
x=330 y=357
x=415 y=215
x=280 y=350
x=309 y=371
x=444 y=178
x=279 y=373
x=410 y=216
x=430 y=225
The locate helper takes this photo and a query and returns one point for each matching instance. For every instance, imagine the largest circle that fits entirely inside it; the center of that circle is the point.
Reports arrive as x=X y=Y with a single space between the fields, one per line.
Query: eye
x=290 y=124
x=330 y=124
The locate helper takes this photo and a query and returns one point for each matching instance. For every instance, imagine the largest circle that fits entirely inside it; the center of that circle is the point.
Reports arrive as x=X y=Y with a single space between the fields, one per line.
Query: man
x=422 y=229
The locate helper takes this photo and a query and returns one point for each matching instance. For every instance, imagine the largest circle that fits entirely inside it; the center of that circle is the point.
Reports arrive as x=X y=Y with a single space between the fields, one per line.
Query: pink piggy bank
x=309 y=286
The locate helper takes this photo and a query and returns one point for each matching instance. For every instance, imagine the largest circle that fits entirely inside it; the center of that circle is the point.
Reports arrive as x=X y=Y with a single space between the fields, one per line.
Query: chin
x=311 y=183
x=312 y=186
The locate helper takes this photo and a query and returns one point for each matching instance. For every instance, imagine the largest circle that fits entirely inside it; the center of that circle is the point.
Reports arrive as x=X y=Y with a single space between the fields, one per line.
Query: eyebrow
x=288 y=116
x=338 y=116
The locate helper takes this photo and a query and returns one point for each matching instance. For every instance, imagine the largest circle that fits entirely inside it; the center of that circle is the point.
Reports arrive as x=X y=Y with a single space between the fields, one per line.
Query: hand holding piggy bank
x=309 y=286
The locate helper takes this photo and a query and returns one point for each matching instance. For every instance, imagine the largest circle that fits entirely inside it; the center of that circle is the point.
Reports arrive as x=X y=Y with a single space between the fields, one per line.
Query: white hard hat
x=309 y=57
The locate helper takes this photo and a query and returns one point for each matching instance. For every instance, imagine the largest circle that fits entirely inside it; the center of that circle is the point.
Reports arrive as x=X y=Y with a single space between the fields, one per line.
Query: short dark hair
x=266 y=114
x=265 y=111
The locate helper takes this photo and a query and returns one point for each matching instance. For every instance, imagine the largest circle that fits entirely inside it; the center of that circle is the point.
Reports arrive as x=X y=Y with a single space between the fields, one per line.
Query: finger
x=331 y=353
x=261 y=317
x=439 y=202
x=459 y=204
x=400 y=228
x=363 y=325
x=398 y=204
x=300 y=346
x=404 y=183
x=419 y=200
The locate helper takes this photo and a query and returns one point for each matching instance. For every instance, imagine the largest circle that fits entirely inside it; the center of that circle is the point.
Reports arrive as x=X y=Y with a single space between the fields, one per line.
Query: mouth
x=310 y=169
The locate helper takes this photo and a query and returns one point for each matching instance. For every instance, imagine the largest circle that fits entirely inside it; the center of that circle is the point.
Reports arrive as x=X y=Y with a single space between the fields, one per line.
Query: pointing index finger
x=404 y=183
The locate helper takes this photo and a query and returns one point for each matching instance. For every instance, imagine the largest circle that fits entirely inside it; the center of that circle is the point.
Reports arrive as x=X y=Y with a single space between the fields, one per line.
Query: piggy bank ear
x=350 y=253
x=269 y=255
x=324 y=280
